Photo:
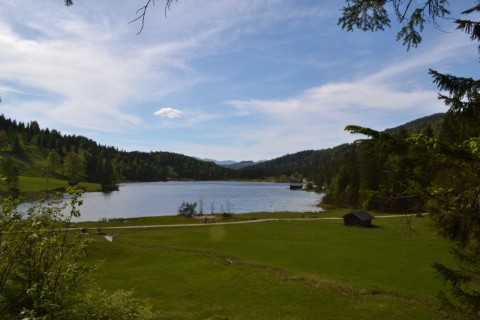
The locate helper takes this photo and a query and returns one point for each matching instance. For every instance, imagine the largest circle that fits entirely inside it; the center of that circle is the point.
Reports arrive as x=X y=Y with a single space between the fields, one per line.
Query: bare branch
x=167 y=6
x=142 y=12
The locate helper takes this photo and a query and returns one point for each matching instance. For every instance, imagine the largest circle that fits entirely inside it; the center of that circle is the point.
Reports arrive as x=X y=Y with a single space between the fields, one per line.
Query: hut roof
x=363 y=215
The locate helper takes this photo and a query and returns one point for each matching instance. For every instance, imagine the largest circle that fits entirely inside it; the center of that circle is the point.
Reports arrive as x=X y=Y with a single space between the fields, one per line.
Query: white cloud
x=342 y=101
x=366 y=100
x=84 y=67
x=169 y=113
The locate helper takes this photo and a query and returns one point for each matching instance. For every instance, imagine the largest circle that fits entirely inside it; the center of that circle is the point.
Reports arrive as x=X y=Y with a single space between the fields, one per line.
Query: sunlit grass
x=278 y=269
x=42 y=184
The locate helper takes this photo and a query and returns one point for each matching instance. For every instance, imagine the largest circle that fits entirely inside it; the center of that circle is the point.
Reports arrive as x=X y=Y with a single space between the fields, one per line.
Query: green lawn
x=42 y=184
x=310 y=269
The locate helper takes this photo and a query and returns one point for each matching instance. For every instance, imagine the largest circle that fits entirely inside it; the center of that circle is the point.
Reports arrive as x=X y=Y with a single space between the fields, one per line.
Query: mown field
x=286 y=269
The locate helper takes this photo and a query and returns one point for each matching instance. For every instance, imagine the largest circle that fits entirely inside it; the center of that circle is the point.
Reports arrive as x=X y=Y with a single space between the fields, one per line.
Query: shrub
x=103 y=305
x=187 y=209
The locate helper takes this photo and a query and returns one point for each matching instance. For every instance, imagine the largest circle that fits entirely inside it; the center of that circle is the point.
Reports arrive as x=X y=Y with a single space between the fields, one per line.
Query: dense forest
x=350 y=174
x=27 y=149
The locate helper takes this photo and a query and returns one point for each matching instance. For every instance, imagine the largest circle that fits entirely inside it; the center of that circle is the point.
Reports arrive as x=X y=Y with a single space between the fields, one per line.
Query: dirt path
x=235 y=222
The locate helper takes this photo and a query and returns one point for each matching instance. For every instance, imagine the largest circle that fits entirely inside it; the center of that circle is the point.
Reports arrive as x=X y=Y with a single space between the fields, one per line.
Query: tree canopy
x=450 y=160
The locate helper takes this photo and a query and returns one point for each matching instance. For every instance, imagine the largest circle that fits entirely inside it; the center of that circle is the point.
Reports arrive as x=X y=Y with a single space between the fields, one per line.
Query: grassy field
x=42 y=184
x=286 y=269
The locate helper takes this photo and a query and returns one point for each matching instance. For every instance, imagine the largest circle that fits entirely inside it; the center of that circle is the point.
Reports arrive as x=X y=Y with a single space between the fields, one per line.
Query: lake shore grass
x=43 y=184
x=283 y=269
x=219 y=218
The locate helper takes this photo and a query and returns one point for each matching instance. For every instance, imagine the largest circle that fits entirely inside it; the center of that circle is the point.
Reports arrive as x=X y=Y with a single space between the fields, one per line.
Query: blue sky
x=226 y=79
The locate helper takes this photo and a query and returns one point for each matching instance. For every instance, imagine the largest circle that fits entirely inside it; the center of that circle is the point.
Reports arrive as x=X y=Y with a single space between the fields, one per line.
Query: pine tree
x=454 y=196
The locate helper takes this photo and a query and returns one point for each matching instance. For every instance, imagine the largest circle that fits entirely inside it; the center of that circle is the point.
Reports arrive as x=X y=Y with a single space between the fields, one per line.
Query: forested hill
x=33 y=151
x=321 y=166
x=421 y=125
x=309 y=164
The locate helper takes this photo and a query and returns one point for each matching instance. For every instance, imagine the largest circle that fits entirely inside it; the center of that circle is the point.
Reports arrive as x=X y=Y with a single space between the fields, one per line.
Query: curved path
x=235 y=222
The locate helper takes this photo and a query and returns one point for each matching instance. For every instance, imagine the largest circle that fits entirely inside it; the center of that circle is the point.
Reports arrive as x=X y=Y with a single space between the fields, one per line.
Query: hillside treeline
x=405 y=169
x=377 y=174
x=33 y=151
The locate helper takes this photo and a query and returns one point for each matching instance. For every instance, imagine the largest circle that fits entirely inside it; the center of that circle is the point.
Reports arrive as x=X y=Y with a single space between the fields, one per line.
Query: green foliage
x=41 y=261
x=372 y=15
x=187 y=209
x=454 y=207
x=364 y=15
x=109 y=177
x=53 y=161
x=97 y=304
x=9 y=171
x=450 y=161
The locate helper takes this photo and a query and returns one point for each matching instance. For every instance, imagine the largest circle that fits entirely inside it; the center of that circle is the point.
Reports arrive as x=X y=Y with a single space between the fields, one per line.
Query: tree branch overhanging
x=142 y=12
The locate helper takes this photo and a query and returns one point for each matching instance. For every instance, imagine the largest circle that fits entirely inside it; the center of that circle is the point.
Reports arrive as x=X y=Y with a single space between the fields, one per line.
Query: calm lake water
x=164 y=198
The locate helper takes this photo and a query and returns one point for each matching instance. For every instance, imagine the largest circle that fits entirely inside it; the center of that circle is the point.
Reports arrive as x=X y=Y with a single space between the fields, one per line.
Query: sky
x=227 y=79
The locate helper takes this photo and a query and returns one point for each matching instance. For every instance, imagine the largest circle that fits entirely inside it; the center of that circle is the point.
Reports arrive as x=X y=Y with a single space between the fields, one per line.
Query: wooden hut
x=358 y=218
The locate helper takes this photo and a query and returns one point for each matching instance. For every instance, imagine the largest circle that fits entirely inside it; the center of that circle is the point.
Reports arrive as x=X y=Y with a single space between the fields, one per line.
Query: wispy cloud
x=246 y=78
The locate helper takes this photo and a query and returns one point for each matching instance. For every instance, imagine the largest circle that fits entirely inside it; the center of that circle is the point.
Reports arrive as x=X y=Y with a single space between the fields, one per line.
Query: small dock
x=296 y=184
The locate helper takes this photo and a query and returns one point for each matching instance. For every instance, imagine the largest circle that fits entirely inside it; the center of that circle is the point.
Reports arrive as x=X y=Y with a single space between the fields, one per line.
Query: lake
x=164 y=198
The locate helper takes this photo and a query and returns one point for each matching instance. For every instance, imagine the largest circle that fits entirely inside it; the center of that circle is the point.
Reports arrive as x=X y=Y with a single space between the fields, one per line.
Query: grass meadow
x=285 y=269
x=42 y=184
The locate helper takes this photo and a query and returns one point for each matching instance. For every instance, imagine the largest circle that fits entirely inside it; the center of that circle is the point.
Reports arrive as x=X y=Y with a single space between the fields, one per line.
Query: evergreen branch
x=470 y=27
x=437 y=9
x=449 y=275
x=458 y=86
x=473 y=9
x=409 y=33
x=401 y=15
x=364 y=15
x=362 y=130
x=455 y=104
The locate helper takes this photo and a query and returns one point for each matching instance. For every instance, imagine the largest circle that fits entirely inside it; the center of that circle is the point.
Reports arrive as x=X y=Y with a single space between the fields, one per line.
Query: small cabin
x=358 y=218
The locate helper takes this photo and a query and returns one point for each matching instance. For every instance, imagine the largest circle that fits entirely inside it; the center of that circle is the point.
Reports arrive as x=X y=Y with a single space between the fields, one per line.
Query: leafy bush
x=41 y=262
x=187 y=209
x=99 y=304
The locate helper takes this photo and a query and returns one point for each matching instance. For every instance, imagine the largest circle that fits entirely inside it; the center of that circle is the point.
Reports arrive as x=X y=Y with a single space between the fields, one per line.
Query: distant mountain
x=241 y=165
x=230 y=164
x=223 y=163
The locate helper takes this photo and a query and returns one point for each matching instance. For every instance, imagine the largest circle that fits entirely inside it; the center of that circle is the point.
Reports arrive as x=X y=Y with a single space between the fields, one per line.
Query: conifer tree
x=454 y=197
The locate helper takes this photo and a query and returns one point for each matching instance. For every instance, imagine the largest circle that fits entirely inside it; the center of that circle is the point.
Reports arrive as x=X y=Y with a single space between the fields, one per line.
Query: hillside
x=434 y=122
x=28 y=150
x=37 y=152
